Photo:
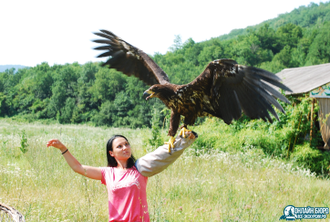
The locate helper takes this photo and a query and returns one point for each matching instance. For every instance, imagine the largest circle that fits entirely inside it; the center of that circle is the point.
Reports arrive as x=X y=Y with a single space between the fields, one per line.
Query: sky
x=61 y=31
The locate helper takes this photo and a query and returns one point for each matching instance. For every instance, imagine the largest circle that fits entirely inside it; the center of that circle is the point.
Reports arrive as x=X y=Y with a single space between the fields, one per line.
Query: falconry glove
x=158 y=160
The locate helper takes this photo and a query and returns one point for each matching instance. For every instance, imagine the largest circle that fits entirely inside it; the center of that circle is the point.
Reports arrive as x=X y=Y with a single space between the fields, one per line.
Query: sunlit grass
x=213 y=186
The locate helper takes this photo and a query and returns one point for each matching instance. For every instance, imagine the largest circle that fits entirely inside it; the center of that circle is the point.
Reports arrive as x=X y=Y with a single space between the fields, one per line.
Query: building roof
x=304 y=79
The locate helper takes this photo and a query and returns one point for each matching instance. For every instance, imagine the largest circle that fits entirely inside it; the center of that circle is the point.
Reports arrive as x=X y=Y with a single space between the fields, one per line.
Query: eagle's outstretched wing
x=129 y=59
x=229 y=88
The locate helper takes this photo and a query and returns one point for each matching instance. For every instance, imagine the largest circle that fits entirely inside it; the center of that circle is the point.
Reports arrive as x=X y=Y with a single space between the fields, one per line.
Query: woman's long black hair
x=112 y=162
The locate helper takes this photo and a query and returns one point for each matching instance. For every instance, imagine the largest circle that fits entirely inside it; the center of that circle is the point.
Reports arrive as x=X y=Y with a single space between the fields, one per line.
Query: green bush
x=311 y=158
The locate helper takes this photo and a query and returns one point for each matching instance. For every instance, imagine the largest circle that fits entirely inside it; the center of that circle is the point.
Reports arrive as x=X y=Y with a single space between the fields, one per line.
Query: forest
x=89 y=93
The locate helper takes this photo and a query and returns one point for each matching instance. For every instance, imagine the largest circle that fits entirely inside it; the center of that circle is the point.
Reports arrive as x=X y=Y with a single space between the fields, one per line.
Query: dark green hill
x=304 y=16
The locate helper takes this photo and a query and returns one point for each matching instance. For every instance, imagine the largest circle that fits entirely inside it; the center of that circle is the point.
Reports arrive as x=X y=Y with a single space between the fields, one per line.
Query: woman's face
x=121 y=150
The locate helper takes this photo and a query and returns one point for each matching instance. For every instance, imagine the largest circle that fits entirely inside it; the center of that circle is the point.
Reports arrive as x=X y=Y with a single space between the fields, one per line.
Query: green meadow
x=204 y=184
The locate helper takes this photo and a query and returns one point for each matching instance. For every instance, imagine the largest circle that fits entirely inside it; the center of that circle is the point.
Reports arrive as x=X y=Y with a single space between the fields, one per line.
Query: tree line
x=80 y=93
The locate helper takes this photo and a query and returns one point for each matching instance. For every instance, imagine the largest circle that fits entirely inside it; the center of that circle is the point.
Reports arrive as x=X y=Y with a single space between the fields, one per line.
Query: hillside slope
x=304 y=16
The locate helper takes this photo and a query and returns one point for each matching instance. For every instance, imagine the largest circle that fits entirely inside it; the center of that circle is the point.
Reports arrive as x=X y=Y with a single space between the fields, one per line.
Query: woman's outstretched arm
x=87 y=171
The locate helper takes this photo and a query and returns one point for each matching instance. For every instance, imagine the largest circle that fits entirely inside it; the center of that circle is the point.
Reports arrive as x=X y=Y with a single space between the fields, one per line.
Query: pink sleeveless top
x=127 y=195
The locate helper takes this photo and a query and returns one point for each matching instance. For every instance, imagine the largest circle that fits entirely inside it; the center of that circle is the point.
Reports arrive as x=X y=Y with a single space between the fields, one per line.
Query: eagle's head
x=160 y=91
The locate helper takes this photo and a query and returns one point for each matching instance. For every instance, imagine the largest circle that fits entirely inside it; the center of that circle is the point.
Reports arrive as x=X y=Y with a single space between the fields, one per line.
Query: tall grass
x=203 y=185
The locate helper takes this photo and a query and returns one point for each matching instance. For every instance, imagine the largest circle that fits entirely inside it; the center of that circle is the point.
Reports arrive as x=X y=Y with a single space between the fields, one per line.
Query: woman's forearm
x=72 y=161
x=88 y=171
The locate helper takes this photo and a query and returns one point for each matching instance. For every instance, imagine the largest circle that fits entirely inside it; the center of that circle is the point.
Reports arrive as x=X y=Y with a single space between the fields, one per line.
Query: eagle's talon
x=183 y=132
x=170 y=144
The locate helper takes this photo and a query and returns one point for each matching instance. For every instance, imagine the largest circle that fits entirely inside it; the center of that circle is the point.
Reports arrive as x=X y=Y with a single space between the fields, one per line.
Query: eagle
x=224 y=89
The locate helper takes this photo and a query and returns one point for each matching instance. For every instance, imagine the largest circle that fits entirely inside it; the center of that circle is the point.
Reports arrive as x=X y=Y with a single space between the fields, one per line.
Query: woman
x=126 y=179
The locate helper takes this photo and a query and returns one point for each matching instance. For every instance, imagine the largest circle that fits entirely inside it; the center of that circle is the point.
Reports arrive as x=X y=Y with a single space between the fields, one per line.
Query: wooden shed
x=314 y=80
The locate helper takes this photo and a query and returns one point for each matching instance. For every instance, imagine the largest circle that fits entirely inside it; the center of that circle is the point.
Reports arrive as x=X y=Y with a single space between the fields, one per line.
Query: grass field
x=213 y=186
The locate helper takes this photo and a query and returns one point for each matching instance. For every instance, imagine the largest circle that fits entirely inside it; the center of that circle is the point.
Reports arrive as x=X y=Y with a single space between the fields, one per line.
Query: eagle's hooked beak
x=148 y=94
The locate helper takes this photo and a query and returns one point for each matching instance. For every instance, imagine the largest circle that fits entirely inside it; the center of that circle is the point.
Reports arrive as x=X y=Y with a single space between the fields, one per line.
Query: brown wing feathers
x=256 y=78
x=129 y=59
x=237 y=88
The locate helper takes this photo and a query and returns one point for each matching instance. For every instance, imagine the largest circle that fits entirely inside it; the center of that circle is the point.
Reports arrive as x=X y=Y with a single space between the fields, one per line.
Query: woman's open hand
x=57 y=144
